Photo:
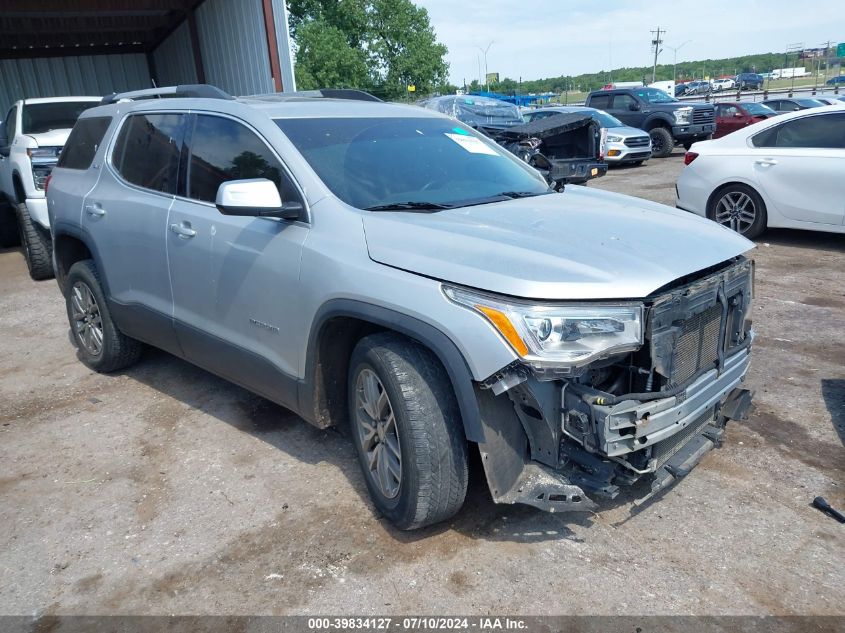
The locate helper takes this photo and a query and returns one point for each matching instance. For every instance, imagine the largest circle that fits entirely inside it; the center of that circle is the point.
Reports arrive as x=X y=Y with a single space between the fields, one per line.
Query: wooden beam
x=73 y=51
x=272 y=45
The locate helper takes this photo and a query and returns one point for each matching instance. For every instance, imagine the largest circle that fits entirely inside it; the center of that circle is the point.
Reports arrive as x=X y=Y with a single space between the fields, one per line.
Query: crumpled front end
x=652 y=413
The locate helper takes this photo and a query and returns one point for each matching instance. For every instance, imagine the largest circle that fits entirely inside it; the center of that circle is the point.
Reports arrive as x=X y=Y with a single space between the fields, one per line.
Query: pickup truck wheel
x=740 y=208
x=37 y=245
x=9 y=234
x=102 y=346
x=662 y=142
x=407 y=431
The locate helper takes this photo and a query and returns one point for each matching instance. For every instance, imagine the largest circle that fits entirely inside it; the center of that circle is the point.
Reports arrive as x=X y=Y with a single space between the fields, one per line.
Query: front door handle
x=183 y=230
x=766 y=161
x=95 y=210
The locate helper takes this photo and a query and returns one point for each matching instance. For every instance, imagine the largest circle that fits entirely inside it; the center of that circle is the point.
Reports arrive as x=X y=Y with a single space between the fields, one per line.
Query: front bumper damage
x=558 y=444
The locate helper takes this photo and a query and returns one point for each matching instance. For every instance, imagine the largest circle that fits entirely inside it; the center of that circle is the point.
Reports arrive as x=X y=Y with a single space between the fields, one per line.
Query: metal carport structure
x=94 y=47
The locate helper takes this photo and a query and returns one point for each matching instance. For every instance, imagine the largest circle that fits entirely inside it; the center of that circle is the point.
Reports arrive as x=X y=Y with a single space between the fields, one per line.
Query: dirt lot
x=163 y=489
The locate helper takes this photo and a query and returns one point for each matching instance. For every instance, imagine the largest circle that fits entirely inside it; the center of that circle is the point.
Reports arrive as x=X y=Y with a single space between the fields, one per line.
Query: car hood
x=579 y=244
x=53 y=138
x=626 y=131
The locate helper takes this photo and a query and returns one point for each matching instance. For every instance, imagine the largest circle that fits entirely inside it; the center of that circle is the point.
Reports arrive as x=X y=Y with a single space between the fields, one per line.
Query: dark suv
x=749 y=81
x=667 y=120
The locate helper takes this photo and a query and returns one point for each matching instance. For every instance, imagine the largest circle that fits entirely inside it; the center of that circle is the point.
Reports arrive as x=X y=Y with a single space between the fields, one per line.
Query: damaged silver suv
x=387 y=267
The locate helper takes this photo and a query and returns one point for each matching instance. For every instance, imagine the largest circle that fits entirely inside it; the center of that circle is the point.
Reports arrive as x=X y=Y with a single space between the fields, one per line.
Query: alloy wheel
x=87 y=321
x=736 y=210
x=378 y=434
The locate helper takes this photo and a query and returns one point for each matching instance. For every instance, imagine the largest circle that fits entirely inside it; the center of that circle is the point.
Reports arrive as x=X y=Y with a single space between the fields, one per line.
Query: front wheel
x=407 y=431
x=662 y=142
x=37 y=245
x=739 y=208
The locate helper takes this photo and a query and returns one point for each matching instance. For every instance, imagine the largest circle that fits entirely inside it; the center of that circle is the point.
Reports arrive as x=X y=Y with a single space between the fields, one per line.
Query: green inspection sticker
x=460 y=130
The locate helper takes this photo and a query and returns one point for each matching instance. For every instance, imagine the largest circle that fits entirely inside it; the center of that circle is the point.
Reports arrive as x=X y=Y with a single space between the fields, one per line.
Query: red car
x=731 y=116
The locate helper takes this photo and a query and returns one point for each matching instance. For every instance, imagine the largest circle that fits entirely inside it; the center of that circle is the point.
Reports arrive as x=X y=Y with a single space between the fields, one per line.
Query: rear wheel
x=662 y=142
x=37 y=245
x=407 y=431
x=102 y=346
x=739 y=208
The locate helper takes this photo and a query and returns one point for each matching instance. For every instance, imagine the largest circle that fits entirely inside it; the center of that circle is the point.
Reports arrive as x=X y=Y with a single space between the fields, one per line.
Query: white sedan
x=722 y=84
x=787 y=171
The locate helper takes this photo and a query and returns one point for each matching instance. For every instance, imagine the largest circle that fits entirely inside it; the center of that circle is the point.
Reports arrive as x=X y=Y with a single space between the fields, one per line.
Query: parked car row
x=742 y=81
x=394 y=269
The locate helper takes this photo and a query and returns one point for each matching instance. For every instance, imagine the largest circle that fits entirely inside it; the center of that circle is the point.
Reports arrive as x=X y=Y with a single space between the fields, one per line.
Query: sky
x=550 y=38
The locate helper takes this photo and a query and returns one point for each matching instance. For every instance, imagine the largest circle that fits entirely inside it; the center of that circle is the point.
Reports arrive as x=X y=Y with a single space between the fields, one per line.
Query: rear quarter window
x=83 y=142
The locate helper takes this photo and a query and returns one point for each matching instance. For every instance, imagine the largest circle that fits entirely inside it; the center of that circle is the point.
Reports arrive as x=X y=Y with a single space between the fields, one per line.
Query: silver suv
x=386 y=266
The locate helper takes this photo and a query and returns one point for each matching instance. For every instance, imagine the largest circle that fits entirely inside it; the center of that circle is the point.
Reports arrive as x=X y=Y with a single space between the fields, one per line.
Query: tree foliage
x=377 y=45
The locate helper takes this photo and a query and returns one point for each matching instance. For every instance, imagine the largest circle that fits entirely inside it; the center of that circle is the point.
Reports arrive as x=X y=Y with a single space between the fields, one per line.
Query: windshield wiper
x=409 y=206
x=521 y=194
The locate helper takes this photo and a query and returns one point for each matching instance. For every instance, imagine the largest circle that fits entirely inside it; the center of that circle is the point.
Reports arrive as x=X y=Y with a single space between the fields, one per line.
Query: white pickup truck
x=31 y=137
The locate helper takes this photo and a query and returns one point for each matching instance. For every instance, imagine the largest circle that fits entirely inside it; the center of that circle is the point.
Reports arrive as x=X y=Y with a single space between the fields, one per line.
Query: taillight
x=47 y=183
x=689 y=157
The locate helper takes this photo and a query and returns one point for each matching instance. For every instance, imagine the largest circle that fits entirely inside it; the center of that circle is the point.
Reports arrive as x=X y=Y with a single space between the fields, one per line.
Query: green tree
x=393 y=39
x=324 y=59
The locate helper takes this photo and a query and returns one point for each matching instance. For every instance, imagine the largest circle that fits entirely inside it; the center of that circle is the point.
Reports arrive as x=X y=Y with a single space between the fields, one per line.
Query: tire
x=662 y=142
x=9 y=234
x=415 y=408
x=115 y=350
x=730 y=206
x=37 y=245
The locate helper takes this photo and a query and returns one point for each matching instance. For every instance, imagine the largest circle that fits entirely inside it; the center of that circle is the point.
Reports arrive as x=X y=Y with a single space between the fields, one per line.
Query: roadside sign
x=412 y=88
x=840 y=49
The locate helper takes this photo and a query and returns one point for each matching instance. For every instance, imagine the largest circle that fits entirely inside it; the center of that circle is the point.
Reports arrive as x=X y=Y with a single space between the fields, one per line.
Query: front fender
x=438 y=342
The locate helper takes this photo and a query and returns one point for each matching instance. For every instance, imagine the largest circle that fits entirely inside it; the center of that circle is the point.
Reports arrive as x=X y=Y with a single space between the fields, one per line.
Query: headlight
x=683 y=115
x=43 y=152
x=559 y=335
x=614 y=139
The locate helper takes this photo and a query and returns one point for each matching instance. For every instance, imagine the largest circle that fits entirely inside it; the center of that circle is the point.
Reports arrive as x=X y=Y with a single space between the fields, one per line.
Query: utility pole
x=656 y=42
x=484 y=50
x=675 y=50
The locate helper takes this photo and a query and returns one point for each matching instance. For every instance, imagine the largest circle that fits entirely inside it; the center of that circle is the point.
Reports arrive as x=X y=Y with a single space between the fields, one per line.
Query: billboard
x=492 y=78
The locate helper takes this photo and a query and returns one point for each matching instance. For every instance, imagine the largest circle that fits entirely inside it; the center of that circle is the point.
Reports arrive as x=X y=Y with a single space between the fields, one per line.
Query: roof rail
x=321 y=93
x=202 y=91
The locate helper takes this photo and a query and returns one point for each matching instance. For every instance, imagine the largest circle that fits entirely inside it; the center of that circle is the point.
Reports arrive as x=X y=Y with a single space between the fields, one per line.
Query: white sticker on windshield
x=472 y=144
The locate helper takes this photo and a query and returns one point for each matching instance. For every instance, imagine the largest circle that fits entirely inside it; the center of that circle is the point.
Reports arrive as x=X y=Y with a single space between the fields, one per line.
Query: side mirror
x=255 y=197
x=738 y=115
x=634 y=106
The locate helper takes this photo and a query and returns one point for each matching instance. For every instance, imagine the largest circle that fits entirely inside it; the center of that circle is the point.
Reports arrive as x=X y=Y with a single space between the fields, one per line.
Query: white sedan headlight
x=683 y=116
x=614 y=139
x=571 y=335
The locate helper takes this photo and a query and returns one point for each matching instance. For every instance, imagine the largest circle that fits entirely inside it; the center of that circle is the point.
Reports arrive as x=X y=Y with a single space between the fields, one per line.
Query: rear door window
x=600 y=102
x=824 y=131
x=623 y=102
x=83 y=142
x=223 y=149
x=148 y=149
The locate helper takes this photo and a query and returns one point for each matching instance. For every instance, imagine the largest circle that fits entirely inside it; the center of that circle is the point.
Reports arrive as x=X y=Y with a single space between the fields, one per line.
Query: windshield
x=653 y=95
x=372 y=162
x=38 y=118
x=478 y=111
x=604 y=119
x=757 y=109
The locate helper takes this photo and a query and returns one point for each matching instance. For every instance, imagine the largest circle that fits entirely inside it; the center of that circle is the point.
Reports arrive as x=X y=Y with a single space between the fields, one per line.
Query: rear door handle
x=95 y=210
x=766 y=161
x=183 y=230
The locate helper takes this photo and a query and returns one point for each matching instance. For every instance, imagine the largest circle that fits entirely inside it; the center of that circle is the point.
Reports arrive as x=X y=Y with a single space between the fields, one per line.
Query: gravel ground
x=163 y=489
